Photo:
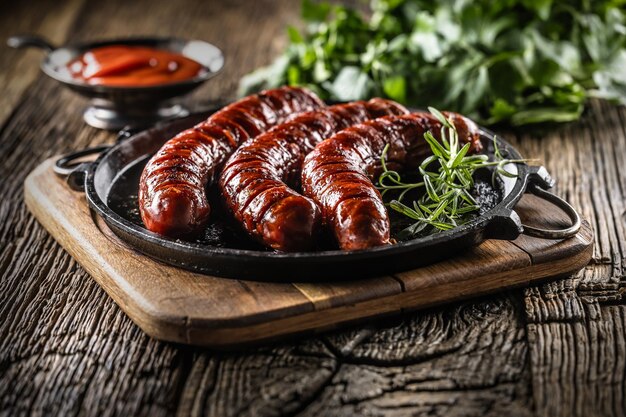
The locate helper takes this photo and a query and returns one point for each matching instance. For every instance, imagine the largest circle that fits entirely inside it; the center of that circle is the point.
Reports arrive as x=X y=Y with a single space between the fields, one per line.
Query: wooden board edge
x=229 y=337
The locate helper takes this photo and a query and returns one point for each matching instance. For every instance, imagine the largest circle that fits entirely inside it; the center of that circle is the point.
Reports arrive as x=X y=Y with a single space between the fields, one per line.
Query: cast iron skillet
x=114 y=107
x=111 y=185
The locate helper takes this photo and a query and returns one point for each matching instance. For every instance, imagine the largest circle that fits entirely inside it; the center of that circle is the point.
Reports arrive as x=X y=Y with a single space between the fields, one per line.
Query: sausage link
x=258 y=179
x=339 y=173
x=172 y=190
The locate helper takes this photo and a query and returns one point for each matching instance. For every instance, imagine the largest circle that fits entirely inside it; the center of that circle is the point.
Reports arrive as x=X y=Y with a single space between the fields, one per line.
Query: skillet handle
x=26 y=41
x=75 y=172
x=506 y=224
x=560 y=203
x=539 y=181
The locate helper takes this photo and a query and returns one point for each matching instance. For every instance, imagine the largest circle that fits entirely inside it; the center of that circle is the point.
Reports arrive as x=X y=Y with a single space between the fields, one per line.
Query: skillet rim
x=501 y=210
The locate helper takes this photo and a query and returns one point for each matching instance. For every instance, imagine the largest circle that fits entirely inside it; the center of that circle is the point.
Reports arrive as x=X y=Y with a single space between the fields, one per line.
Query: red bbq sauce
x=130 y=66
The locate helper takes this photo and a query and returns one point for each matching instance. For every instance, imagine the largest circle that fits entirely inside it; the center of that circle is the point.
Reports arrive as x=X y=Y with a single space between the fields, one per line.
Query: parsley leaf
x=516 y=61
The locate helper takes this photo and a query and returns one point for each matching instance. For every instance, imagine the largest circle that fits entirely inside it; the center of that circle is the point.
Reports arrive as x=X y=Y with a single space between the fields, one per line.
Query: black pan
x=111 y=186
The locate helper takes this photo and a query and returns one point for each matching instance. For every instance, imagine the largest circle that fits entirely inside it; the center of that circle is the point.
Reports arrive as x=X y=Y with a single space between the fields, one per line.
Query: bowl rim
x=49 y=69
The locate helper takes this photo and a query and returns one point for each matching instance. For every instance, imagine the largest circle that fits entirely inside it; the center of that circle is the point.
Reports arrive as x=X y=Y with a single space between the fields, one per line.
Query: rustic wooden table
x=66 y=349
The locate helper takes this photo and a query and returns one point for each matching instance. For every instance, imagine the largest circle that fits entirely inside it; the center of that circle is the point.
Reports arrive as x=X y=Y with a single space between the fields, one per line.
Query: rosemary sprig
x=447 y=180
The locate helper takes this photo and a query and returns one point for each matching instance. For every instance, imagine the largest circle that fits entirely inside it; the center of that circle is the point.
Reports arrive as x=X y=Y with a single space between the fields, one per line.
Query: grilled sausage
x=172 y=190
x=338 y=173
x=257 y=178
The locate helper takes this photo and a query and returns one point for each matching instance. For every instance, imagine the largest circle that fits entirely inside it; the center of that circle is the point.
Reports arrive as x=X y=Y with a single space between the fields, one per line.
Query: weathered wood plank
x=578 y=366
x=576 y=341
x=68 y=350
x=65 y=348
x=19 y=68
x=468 y=359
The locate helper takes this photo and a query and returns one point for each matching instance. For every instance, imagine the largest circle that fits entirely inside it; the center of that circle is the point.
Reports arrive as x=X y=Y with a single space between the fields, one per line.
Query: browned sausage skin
x=338 y=174
x=257 y=178
x=172 y=190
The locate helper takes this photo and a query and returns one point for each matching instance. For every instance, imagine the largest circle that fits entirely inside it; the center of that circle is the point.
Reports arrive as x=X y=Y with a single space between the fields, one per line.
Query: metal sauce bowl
x=112 y=107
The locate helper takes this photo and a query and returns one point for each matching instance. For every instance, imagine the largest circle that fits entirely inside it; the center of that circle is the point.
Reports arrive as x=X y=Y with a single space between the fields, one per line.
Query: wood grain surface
x=558 y=349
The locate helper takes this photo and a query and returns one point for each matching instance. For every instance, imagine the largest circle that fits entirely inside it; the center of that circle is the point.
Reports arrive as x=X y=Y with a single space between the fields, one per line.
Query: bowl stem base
x=111 y=119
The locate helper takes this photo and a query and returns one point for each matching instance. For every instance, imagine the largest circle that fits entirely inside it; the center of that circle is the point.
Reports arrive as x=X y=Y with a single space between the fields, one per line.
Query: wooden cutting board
x=180 y=306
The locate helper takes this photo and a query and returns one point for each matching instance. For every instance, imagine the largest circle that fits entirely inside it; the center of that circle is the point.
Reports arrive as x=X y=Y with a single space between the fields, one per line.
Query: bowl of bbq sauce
x=129 y=82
